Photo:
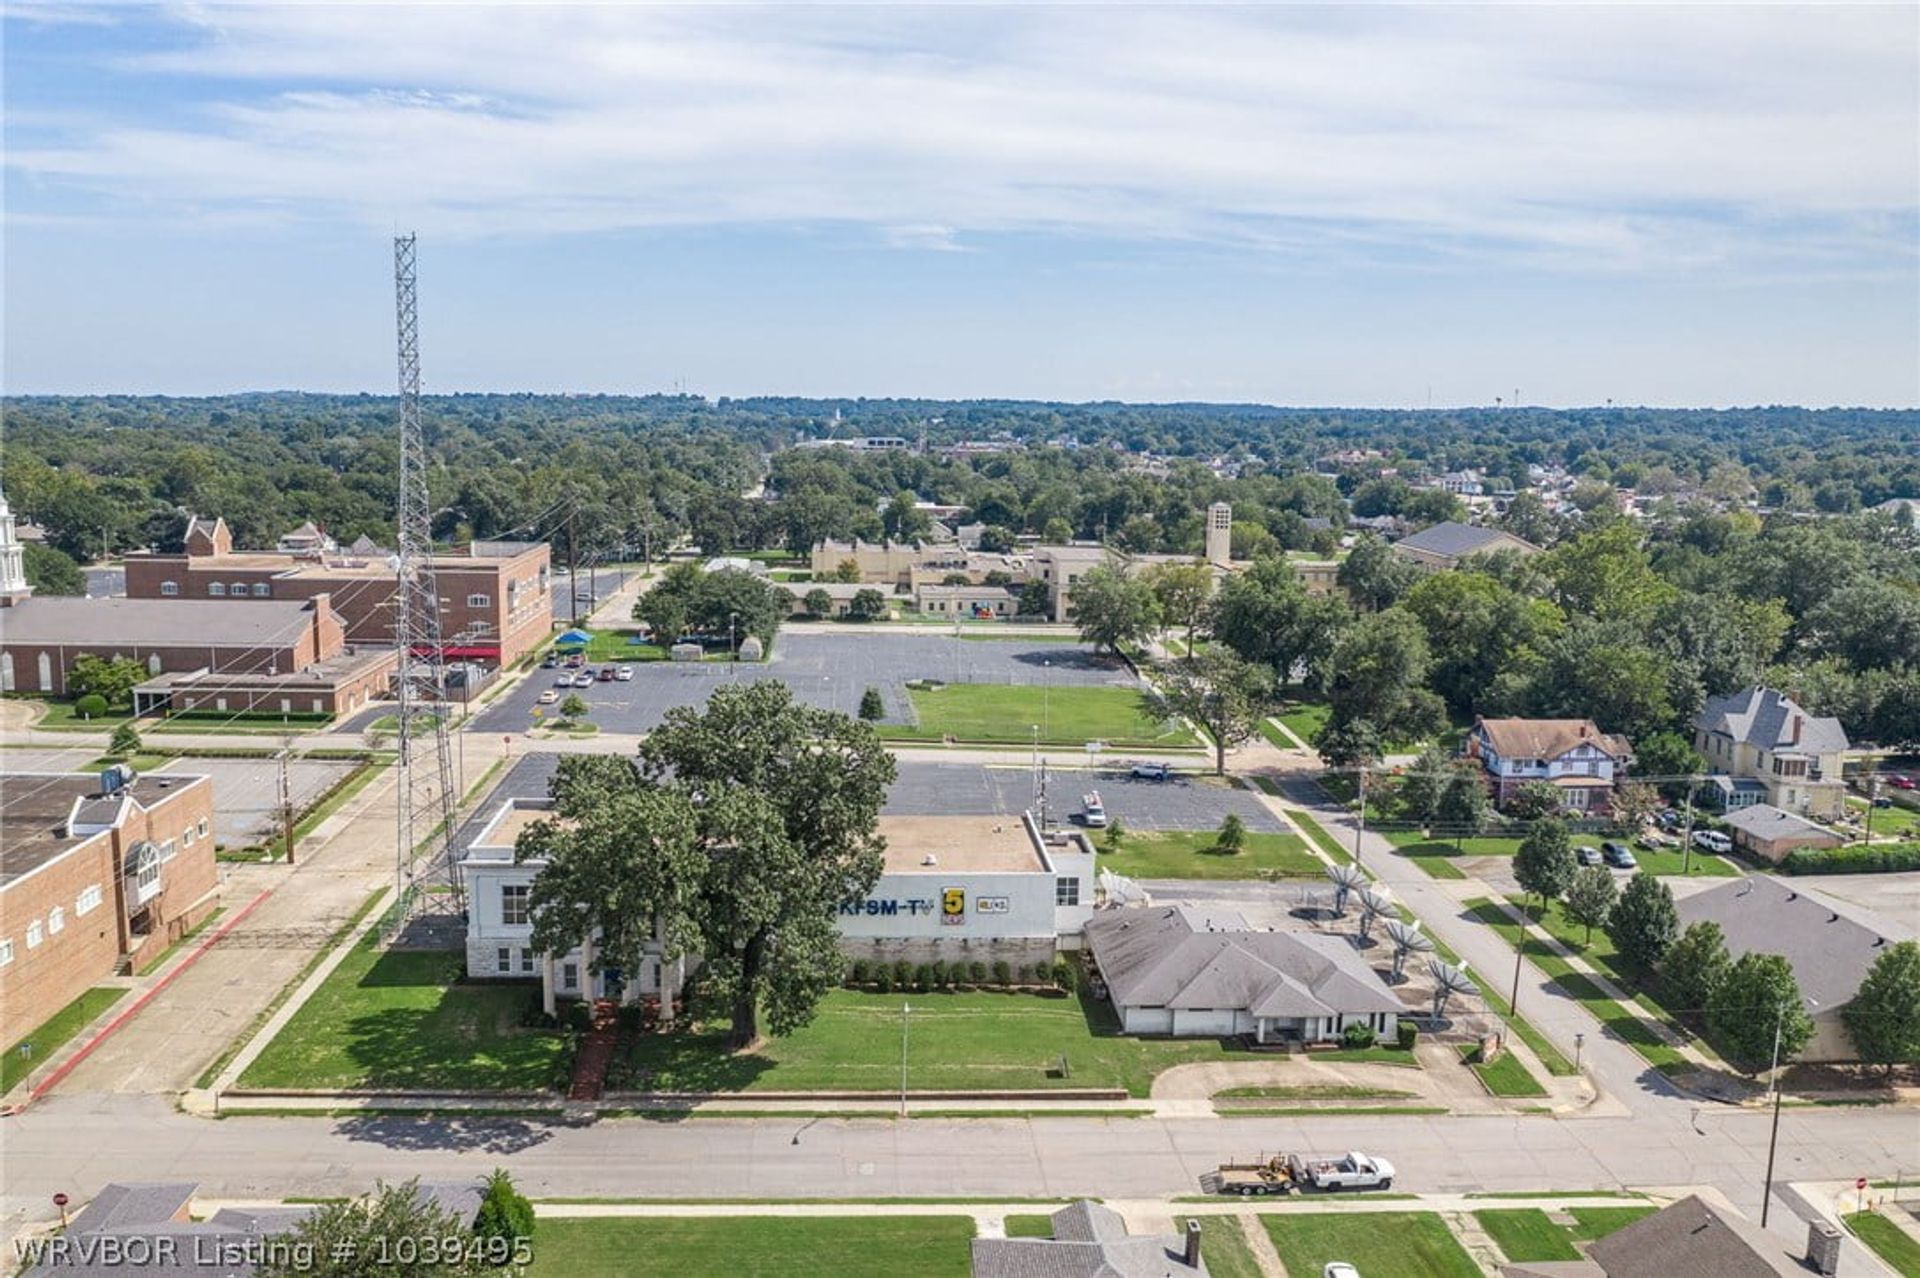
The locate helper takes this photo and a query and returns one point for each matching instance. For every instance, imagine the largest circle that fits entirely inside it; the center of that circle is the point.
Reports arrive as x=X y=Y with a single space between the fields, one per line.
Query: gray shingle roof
x=1454 y=540
x=186 y=623
x=1693 y=1239
x=1829 y=948
x=1765 y=718
x=1764 y=821
x=1180 y=957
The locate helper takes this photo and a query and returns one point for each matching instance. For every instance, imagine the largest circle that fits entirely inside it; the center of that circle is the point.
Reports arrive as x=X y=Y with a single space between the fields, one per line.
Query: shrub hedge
x=1864 y=858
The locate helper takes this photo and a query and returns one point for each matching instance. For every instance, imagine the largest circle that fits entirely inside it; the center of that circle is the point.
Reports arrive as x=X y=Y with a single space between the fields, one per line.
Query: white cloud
x=1622 y=138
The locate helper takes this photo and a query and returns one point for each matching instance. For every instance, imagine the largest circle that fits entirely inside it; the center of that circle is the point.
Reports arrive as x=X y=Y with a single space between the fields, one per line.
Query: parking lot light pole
x=905 y=1011
x=1579 y=1042
x=1046 y=697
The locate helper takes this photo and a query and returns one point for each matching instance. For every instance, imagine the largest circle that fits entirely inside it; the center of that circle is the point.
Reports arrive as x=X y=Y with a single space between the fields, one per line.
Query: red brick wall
x=41 y=981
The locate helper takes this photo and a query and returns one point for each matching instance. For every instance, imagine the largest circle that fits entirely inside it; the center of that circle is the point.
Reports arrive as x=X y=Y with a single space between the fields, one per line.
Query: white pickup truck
x=1353 y=1171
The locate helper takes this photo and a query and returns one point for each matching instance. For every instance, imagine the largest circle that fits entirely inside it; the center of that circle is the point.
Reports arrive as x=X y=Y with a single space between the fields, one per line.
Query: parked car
x=584 y=596
x=1618 y=855
x=1093 y=813
x=1339 y=1269
x=1151 y=772
x=550 y=662
x=1882 y=801
x=584 y=679
x=1653 y=839
x=1586 y=854
x=1670 y=819
x=564 y=679
x=548 y=697
x=1900 y=781
x=623 y=674
x=1712 y=841
x=606 y=674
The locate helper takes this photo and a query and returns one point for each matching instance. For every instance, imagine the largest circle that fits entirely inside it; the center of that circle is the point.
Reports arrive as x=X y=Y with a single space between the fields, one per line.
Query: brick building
x=496 y=597
x=265 y=656
x=91 y=880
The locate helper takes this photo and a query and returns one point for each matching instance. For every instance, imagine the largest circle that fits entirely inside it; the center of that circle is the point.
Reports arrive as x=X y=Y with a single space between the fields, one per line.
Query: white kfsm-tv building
x=966 y=889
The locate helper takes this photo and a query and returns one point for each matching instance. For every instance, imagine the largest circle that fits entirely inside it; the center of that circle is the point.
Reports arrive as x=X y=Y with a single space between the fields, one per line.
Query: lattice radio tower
x=426 y=877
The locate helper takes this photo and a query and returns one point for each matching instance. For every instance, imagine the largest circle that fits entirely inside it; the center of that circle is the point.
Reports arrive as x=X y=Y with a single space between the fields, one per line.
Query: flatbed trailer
x=1262 y=1176
x=1288 y=1173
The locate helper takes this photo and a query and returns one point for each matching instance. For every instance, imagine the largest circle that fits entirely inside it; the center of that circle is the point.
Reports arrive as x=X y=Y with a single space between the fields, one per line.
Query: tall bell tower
x=13 y=563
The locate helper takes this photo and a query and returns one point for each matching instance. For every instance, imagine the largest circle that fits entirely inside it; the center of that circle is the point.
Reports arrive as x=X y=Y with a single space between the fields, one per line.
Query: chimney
x=1795 y=738
x=1823 y=1247
x=1192 y=1253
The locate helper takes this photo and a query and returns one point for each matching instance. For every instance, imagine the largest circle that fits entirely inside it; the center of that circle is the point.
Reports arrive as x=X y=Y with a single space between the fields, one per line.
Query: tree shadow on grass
x=459 y=1045
x=686 y=1061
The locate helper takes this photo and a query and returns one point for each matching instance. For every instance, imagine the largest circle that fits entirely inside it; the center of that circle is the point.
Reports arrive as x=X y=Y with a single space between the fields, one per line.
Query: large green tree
x=1182 y=590
x=744 y=829
x=1590 y=897
x=1378 y=664
x=1112 y=608
x=1373 y=576
x=1478 y=630
x=1266 y=615
x=113 y=678
x=1643 y=923
x=1758 y=998
x=51 y=572
x=1222 y=692
x=397 y=1231
x=1883 y=1020
x=1544 y=865
x=1607 y=574
x=1693 y=968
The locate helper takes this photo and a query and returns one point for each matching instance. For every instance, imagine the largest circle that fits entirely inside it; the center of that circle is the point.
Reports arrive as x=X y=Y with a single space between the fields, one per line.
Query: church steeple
x=13 y=566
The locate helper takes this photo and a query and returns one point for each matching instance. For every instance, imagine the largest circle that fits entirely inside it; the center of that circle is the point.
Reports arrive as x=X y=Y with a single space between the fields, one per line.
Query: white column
x=587 y=990
x=670 y=978
x=546 y=984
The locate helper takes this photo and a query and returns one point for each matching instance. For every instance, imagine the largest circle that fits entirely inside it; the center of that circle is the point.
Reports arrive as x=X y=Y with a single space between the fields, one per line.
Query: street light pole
x=1773 y=1085
x=1513 y=1000
x=905 y=1011
x=1686 y=834
x=733 y=653
x=1360 y=826
x=1046 y=698
x=1579 y=1042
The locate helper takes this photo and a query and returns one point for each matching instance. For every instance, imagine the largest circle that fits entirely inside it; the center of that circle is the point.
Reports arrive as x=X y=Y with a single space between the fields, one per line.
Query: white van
x=1092 y=812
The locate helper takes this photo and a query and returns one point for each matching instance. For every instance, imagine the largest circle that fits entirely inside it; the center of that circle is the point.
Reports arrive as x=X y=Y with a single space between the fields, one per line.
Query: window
x=1066 y=891
x=238 y=590
x=479 y=601
x=6 y=953
x=186 y=837
x=169 y=849
x=569 y=976
x=169 y=587
x=217 y=589
x=526 y=962
x=503 y=959
x=56 y=921
x=513 y=904
x=203 y=827
x=35 y=934
x=1789 y=767
x=261 y=590
x=87 y=902
x=480 y=628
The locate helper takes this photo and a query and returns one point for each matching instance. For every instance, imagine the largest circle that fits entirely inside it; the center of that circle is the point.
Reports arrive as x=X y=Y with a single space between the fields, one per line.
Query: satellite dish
x=1448 y=980
x=1407 y=939
x=1374 y=903
x=1345 y=879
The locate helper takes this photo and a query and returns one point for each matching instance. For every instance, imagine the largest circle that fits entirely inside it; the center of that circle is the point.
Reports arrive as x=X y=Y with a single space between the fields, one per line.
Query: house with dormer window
x=1761 y=746
x=1572 y=755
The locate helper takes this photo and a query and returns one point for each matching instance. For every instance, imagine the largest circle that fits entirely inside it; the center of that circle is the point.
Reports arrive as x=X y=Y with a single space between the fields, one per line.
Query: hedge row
x=902 y=975
x=1865 y=858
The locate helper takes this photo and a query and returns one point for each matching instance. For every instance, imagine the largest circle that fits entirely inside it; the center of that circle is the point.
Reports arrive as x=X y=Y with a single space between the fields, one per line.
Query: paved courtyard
x=830 y=671
x=246 y=792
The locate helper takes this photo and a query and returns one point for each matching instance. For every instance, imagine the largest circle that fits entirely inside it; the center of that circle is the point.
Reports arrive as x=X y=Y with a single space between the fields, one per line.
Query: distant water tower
x=1219 y=533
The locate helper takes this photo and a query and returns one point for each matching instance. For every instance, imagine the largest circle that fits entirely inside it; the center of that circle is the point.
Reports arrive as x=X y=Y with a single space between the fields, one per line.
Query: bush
x=1002 y=974
x=872 y=708
x=882 y=979
x=902 y=973
x=1043 y=973
x=125 y=741
x=91 y=706
x=922 y=976
x=1876 y=858
x=936 y=974
x=504 y=1211
x=1409 y=1034
x=1357 y=1036
x=977 y=972
x=1063 y=974
x=859 y=972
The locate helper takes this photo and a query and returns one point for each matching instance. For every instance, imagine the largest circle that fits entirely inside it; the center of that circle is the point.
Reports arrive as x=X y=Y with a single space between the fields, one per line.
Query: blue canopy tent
x=573 y=639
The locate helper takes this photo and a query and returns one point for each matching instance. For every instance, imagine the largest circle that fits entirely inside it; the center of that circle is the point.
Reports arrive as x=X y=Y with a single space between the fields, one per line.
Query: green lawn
x=1437 y=859
x=618 y=645
x=1183 y=854
x=1037 y=1225
x=1066 y=715
x=1888 y=1241
x=403 y=1019
x=956 y=1041
x=1896 y=820
x=1408 y=1244
x=753 y=1246
x=1624 y=1023
x=61 y=716
x=1472 y=845
x=1600 y=953
x=1528 y=1234
x=53 y=1034
x=1305 y=718
x=1507 y=1076
x=1674 y=862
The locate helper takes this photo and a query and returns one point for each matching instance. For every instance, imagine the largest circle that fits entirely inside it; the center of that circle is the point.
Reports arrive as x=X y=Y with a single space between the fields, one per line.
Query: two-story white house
x=500 y=926
x=1572 y=755
x=1762 y=747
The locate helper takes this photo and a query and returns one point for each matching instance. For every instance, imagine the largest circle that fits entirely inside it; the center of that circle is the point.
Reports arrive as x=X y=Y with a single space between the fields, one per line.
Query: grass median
x=1185 y=854
x=1070 y=715
x=52 y=1034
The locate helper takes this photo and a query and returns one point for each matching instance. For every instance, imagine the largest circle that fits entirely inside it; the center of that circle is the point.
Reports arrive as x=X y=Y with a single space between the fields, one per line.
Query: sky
x=1367 y=205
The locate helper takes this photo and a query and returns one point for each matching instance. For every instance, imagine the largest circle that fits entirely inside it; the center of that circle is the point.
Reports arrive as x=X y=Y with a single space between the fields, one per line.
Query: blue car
x=1618 y=855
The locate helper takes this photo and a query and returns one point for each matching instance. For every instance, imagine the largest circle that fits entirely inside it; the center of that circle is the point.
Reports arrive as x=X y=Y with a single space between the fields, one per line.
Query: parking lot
x=961 y=789
x=830 y=671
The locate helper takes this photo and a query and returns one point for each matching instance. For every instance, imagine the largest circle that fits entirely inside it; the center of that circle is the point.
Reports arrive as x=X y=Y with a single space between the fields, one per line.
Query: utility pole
x=286 y=801
x=1686 y=834
x=1873 y=797
x=573 y=560
x=1360 y=826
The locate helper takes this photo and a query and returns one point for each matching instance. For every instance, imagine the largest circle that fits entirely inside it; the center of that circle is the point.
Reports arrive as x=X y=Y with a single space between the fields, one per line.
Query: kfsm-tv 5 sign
x=953 y=906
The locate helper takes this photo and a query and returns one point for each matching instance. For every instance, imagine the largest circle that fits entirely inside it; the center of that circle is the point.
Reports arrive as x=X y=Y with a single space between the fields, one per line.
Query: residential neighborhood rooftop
x=1830 y=948
x=1549 y=738
x=1771 y=720
x=1454 y=540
